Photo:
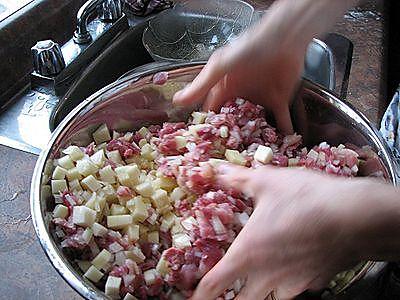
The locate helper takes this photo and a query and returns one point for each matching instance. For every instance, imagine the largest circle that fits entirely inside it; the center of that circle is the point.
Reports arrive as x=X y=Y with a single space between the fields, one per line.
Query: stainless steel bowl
x=134 y=101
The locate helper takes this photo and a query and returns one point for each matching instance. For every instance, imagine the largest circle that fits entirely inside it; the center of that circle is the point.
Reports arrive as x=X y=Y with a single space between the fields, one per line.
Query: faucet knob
x=110 y=10
x=47 y=58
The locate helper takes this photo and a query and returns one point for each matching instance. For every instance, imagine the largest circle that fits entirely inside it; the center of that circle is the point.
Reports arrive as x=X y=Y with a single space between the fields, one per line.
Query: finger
x=217 y=96
x=256 y=288
x=213 y=71
x=222 y=275
x=283 y=120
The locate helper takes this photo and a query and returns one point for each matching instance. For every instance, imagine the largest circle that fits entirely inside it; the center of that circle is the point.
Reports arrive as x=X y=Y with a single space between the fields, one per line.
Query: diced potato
x=180 y=142
x=177 y=228
x=60 y=211
x=145 y=189
x=109 y=193
x=162 y=266
x=74 y=185
x=115 y=157
x=181 y=241
x=91 y=203
x=152 y=219
x=84 y=265
x=146 y=151
x=153 y=237
x=160 y=198
x=167 y=222
x=177 y=194
x=263 y=154
x=223 y=131
x=129 y=297
x=93 y=274
x=132 y=232
x=117 y=209
x=59 y=173
x=293 y=162
x=135 y=254
x=101 y=259
x=74 y=152
x=102 y=146
x=91 y=183
x=140 y=212
x=102 y=134
x=194 y=128
x=199 y=117
x=118 y=222
x=165 y=183
x=128 y=175
x=107 y=174
x=98 y=158
x=189 y=223
x=242 y=218
x=143 y=132
x=83 y=216
x=130 y=204
x=150 y=276
x=66 y=162
x=100 y=204
x=86 y=167
x=235 y=157
x=99 y=230
x=73 y=174
x=87 y=235
x=113 y=285
x=142 y=142
x=58 y=186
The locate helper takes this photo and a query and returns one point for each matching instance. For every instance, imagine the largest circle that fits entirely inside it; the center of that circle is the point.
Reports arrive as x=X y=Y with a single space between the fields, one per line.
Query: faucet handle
x=47 y=58
x=110 y=10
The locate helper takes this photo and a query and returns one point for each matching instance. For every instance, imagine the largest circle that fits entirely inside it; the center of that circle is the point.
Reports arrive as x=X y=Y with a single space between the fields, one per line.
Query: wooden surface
x=28 y=274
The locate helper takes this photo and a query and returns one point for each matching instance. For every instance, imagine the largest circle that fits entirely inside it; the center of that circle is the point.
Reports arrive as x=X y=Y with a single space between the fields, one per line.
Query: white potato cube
x=66 y=162
x=101 y=260
x=177 y=228
x=194 y=128
x=223 y=131
x=153 y=237
x=113 y=285
x=142 y=142
x=58 y=186
x=143 y=132
x=87 y=235
x=129 y=297
x=135 y=254
x=177 y=194
x=146 y=151
x=83 y=216
x=93 y=274
x=117 y=209
x=74 y=185
x=162 y=266
x=150 y=276
x=74 y=152
x=60 y=211
x=189 y=223
x=73 y=174
x=140 y=212
x=180 y=142
x=99 y=230
x=84 y=265
x=181 y=241
x=115 y=157
x=98 y=158
x=293 y=162
x=167 y=222
x=59 y=173
x=235 y=157
x=132 y=232
x=107 y=174
x=199 y=117
x=145 y=189
x=128 y=175
x=86 y=167
x=263 y=154
x=118 y=222
x=242 y=218
x=91 y=183
x=165 y=183
x=160 y=198
x=102 y=134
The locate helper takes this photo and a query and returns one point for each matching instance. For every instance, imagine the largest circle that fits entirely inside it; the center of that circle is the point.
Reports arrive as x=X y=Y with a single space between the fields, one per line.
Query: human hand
x=305 y=228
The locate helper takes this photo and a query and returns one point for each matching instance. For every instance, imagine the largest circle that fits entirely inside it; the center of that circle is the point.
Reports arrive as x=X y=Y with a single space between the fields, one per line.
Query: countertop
x=27 y=273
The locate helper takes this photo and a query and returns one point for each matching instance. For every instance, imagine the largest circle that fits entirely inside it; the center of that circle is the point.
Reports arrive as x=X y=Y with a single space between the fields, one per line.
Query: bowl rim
x=63 y=267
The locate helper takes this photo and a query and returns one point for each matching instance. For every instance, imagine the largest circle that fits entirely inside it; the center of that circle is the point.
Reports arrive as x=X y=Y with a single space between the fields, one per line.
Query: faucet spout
x=82 y=35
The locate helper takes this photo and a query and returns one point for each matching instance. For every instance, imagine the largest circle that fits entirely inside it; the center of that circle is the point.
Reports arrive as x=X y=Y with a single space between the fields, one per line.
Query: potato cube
x=101 y=259
x=160 y=198
x=180 y=142
x=189 y=223
x=181 y=241
x=73 y=174
x=142 y=142
x=140 y=212
x=86 y=167
x=153 y=237
x=117 y=209
x=150 y=276
x=60 y=211
x=87 y=235
x=165 y=183
x=199 y=117
x=194 y=128
x=84 y=265
x=293 y=162
x=143 y=132
x=263 y=154
x=177 y=227
x=223 y=131
x=145 y=189
x=107 y=174
x=74 y=185
x=135 y=254
x=115 y=157
x=162 y=266
x=91 y=183
x=98 y=158
x=235 y=157
x=118 y=222
x=66 y=162
x=113 y=285
x=102 y=134
x=74 y=152
x=177 y=194
x=58 y=186
x=93 y=274
x=83 y=216
x=129 y=297
x=167 y=222
x=132 y=232
x=99 y=230
x=59 y=173
x=128 y=175
x=146 y=151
